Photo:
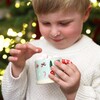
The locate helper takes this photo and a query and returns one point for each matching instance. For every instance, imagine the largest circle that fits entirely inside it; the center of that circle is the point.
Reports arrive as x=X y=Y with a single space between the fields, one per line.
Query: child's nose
x=54 y=31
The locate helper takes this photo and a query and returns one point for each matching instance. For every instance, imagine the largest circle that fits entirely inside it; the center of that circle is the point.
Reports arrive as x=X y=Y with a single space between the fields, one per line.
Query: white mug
x=43 y=69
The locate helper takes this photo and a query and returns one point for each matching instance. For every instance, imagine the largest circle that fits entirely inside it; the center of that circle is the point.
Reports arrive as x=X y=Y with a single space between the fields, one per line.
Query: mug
x=43 y=69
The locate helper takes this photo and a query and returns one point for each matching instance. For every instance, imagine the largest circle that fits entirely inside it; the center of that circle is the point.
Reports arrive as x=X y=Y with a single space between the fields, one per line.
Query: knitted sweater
x=85 y=54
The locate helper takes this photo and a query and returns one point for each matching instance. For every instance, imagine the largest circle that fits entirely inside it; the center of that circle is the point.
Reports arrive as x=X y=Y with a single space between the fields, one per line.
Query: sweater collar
x=80 y=44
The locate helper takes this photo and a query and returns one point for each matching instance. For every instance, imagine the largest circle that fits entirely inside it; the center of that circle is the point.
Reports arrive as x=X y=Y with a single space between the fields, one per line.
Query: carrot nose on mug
x=43 y=69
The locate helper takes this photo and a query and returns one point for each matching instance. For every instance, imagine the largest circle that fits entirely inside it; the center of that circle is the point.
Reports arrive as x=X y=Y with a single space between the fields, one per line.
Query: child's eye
x=65 y=24
x=46 y=23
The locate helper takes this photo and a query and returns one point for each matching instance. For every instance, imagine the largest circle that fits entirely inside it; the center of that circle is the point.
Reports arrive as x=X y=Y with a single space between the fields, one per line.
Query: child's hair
x=49 y=6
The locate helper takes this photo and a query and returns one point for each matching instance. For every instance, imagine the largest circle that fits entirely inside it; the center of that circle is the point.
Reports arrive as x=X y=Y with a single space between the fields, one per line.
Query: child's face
x=68 y=26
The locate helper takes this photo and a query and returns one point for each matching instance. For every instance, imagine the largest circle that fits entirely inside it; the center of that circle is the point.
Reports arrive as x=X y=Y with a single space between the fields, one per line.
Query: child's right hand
x=68 y=78
x=19 y=55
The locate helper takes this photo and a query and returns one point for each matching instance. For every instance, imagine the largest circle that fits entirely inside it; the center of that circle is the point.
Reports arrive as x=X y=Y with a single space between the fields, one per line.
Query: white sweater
x=85 y=54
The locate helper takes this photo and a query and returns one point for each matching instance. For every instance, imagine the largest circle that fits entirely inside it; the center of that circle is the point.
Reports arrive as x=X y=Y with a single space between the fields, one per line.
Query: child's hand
x=68 y=77
x=20 y=54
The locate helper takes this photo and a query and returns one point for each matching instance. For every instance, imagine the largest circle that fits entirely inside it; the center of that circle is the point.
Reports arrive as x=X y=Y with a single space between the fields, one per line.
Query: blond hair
x=49 y=6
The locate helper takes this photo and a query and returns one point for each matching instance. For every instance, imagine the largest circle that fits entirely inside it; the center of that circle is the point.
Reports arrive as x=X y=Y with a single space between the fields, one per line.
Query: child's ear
x=87 y=13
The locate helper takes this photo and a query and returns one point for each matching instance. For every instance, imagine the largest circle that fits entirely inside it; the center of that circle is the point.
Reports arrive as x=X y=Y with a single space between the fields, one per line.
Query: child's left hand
x=68 y=77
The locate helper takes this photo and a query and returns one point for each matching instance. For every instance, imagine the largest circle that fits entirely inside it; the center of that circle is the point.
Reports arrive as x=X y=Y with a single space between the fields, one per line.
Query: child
x=61 y=23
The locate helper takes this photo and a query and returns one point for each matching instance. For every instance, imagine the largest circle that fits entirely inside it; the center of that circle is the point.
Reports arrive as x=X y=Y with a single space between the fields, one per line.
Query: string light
x=18 y=39
x=41 y=37
x=12 y=41
x=88 y=31
x=29 y=3
x=34 y=24
x=25 y=25
x=4 y=56
x=23 y=31
x=12 y=33
x=23 y=41
x=17 y=4
x=34 y=36
x=99 y=4
x=31 y=40
x=20 y=34
x=1 y=42
x=93 y=1
x=7 y=50
x=6 y=42
x=1 y=73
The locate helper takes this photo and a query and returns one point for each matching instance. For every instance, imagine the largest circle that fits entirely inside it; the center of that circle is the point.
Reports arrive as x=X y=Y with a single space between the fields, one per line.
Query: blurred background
x=18 y=24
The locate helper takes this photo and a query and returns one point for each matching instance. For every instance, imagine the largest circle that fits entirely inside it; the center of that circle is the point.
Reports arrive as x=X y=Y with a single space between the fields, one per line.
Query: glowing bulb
x=17 y=4
x=23 y=41
x=1 y=42
x=7 y=50
x=93 y=1
x=41 y=37
x=4 y=56
x=13 y=46
x=25 y=25
x=12 y=41
x=29 y=3
x=99 y=4
x=34 y=24
x=20 y=34
x=33 y=35
x=10 y=32
x=6 y=42
x=88 y=31
x=23 y=32
x=31 y=40
x=1 y=78
x=1 y=72
x=1 y=36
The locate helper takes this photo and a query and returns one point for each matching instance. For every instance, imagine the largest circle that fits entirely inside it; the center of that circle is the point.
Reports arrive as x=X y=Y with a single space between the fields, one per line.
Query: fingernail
x=37 y=50
x=65 y=61
x=52 y=72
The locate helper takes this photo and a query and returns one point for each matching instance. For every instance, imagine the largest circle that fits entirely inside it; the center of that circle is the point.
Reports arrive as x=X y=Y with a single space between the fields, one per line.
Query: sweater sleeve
x=14 y=88
x=90 y=92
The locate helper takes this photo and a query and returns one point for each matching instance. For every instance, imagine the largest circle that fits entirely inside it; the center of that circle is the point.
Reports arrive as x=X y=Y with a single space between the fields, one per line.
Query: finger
x=68 y=62
x=65 y=68
x=14 y=52
x=34 y=48
x=12 y=59
x=72 y=66
x=57 y=80
x=65 y=61
x=28 y=46
x=60 y=73
x=20 y=46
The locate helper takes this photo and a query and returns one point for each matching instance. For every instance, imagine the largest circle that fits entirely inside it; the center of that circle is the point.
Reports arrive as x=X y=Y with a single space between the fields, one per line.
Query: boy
x=61 y=23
